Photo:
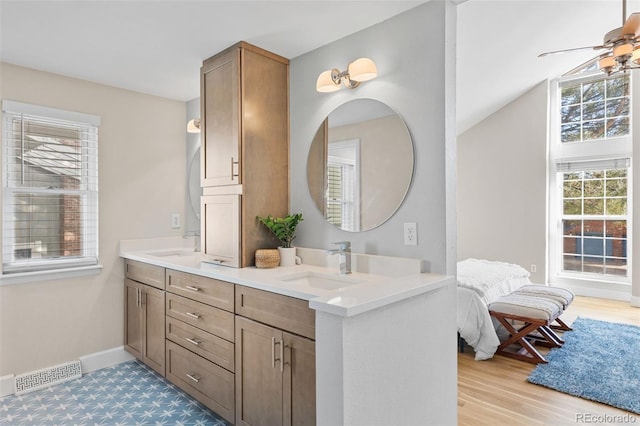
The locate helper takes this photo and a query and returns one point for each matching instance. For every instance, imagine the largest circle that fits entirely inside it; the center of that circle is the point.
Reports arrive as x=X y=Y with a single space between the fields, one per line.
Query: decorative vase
x=287 y=256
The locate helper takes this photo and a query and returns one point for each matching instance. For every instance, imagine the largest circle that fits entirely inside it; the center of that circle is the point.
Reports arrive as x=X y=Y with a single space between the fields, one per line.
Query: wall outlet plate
x=410 y=234
x=175 y=220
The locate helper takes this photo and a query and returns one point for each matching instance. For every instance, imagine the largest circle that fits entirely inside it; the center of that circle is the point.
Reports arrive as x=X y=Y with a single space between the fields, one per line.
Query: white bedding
x=481 y=282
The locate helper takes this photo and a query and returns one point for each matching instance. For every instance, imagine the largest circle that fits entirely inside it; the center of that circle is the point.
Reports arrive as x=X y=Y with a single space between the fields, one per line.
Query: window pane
x=593 y=91
x=572 y=207
x=593 y=206
x=572 y=189
x=617 y=87
x=617 y=206
x=594 y=265
x=572 y=263
x=594 y=188
x=570 y=133
x=617 y=127
x=616 y=188
x=618 y=107
x=570 y=114
x=570 y=94
x=593 y=228
x=571 y=245
x=616 y=228
x=593 y=110
x=616 y=266
x=593 y=130
x=572 y=227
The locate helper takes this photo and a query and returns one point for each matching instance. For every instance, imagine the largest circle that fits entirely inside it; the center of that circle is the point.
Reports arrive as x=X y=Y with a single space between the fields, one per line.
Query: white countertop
x=364 y=292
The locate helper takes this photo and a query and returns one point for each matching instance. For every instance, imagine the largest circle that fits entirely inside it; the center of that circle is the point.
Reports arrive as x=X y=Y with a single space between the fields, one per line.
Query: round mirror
x=360 y=165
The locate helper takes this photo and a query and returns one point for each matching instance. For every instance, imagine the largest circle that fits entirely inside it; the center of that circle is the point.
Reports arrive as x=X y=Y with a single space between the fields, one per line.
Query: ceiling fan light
x=623 y=50
x=606 y=62
x=635 y=56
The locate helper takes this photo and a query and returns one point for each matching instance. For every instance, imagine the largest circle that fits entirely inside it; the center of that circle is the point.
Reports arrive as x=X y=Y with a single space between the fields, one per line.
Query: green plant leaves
x=284 y=228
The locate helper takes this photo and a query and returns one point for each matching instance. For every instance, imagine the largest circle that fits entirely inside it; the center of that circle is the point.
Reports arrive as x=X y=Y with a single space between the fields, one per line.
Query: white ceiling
x=157 y=46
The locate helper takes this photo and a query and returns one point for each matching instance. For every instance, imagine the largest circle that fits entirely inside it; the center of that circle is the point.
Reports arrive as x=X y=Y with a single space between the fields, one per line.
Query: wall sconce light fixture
x=360 y=70
x=193 y=126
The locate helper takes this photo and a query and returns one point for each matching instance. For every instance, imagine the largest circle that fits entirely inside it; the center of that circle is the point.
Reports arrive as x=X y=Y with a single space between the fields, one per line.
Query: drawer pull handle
x=192 y=341
x=192 y=315
x=273 y=352
x=193 y=377
x=192 y=288
x=233 y=163
x=281 y=355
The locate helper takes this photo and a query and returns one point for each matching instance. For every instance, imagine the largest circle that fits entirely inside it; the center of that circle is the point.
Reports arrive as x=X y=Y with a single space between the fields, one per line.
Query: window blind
x=591 y=165
x=50 y=188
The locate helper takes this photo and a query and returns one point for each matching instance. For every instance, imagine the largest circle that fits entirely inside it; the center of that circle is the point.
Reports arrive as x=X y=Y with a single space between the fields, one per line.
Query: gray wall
x=413 y=79
x=502 y=185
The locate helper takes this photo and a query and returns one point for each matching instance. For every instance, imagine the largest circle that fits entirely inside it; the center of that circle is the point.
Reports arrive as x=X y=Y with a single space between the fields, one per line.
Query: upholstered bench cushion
x=527 y=306
x=564 y=296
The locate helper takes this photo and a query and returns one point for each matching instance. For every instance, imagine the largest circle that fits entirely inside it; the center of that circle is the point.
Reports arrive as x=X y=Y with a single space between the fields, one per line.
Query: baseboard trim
x=635 y=301
x=89 y=363
x=599 y=293
x=104 y=359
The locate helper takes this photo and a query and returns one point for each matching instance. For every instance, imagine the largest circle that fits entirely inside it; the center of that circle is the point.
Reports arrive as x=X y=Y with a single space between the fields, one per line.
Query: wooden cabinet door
x=299 y=392
x=133 y=318
x=153 y=328
x=220 y=216
x=259 y=368
x=220 y=104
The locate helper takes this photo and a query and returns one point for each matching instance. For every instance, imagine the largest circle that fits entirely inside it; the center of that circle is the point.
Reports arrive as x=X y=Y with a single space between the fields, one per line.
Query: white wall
x=409 y=51
x=502 y=185
x=141 y=182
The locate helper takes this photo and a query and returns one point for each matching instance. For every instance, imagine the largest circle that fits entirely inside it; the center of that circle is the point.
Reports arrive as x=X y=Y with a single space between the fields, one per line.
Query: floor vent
x=47 y=377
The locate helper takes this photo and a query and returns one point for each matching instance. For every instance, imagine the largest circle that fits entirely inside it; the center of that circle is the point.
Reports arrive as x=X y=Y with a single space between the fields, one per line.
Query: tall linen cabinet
x=245 y=151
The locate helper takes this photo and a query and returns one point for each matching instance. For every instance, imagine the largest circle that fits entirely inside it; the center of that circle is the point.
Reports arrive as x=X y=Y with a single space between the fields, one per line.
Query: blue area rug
x=599 y=361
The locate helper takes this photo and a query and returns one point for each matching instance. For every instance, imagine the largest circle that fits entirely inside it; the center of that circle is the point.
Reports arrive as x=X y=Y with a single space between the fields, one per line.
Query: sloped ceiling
x=156 y=46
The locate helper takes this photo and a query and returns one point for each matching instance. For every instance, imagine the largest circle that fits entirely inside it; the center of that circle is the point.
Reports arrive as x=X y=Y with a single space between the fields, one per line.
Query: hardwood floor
x=495 y=392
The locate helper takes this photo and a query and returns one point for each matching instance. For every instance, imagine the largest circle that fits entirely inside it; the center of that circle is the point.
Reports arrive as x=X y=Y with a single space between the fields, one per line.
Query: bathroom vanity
x=305 y=344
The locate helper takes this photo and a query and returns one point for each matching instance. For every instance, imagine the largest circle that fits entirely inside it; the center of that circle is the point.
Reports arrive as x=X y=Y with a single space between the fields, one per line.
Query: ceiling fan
x=621 y=46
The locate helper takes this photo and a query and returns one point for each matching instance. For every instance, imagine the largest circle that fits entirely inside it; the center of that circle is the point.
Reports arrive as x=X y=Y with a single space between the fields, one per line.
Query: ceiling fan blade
x=555 y=52
x=632 y=25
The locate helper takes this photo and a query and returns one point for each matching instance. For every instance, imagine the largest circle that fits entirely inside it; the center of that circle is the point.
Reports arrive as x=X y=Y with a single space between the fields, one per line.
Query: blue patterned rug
x=599 y=361
x=125 y=394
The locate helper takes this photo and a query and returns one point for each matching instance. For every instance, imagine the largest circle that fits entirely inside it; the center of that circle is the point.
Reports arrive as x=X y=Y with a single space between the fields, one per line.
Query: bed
x=481 y=282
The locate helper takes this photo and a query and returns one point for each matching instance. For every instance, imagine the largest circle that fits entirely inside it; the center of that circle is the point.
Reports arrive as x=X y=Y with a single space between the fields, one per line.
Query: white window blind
x=50 y=188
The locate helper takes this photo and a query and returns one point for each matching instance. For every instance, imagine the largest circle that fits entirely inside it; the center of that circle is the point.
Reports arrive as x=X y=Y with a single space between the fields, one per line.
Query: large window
x=590 y=179
x=50 y=189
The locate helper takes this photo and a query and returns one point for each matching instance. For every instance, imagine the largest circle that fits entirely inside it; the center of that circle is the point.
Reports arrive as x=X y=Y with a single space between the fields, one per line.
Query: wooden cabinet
x=144 y=332
x=200 y=333
x=245 y=151
x=275 y=369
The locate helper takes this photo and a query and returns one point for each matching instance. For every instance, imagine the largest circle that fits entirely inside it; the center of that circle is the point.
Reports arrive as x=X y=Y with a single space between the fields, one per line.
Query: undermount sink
x=320 y=280
x=171 y=253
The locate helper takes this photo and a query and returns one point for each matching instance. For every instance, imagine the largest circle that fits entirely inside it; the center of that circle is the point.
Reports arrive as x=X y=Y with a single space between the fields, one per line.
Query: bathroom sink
x=171 y=253
x=320 y=280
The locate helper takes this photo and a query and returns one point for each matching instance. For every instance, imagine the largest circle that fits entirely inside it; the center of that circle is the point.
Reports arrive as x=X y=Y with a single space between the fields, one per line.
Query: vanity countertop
x=323 y=287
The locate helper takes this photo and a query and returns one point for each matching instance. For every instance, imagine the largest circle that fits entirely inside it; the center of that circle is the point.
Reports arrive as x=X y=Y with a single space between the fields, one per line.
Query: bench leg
x=519 y=337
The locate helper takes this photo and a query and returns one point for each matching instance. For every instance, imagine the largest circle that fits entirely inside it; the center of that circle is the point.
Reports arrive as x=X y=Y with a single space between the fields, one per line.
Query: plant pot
x=287 y=256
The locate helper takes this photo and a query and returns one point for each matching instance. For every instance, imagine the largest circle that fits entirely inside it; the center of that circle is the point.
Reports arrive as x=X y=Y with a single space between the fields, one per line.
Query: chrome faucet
x=344 y=251
x=196 y=239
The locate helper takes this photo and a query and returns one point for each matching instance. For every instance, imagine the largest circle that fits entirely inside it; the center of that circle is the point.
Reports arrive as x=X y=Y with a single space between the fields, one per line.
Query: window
x=594 y=218
x=594 y=109
x=50 y=189
x=343 y=184
x=590 y=179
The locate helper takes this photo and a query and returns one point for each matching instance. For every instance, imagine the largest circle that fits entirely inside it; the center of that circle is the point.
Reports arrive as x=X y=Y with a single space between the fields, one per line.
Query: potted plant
x=284 y=228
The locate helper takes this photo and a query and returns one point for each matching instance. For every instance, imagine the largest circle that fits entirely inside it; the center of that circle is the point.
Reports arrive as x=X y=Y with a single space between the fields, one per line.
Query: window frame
x=620 y=147
x=88 y=262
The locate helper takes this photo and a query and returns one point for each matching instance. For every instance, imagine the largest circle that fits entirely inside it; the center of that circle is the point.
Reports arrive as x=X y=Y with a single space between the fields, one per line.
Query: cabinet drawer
x=211 y=385
x=205 y=317
x=144 y=273
x=284 y=312
x=204 y=344
x=202 y=289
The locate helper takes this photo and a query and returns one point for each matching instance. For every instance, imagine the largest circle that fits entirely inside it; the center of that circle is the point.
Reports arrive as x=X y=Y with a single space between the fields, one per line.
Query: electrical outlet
x=534 y=268
x=175 y=220
x=410 y=234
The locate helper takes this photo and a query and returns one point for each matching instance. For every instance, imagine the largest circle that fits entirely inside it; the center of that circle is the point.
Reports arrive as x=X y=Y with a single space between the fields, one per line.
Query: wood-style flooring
x=495 y=392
